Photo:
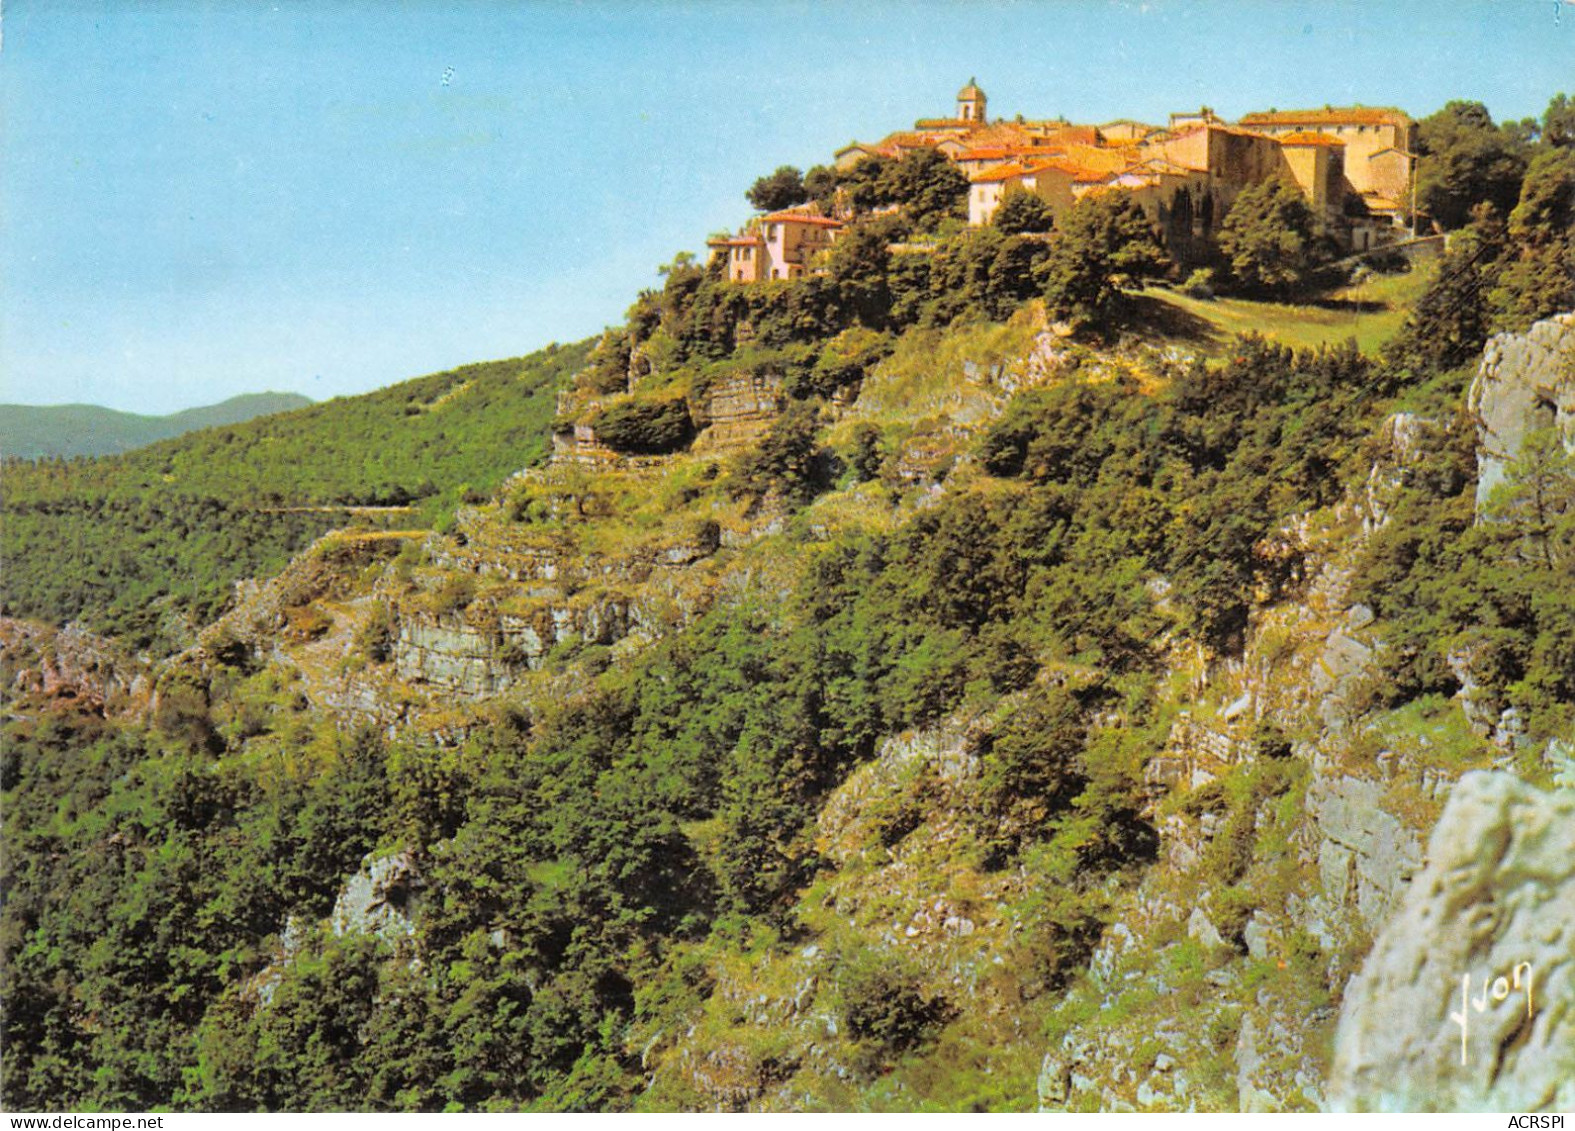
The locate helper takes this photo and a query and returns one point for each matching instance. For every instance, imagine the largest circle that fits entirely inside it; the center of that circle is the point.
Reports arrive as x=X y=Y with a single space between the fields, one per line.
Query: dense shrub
x=645 y=427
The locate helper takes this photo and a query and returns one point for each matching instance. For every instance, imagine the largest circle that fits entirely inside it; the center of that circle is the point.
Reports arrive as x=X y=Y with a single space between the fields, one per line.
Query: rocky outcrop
x=1401 y=443
x=1194 y=754
x=381 y=899
x=72 y=664
x=739 y=409
x=476 y=662
x=1365 y=855
x=1467 y=1000
x=930 y=454
x=1525 y=382
x=328 y=568
x=524 y=561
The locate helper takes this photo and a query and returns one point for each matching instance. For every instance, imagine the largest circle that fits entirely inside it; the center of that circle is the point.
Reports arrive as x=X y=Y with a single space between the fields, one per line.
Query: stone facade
x=1379 y=142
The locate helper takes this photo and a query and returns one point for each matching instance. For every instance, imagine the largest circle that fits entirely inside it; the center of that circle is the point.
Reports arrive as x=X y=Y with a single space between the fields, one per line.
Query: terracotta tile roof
x=1000 y=173
x=1377 y=203
x=1308 y=137
x=1002 y=152
x=1330 y=116
x=942 y=124
x=1011 y=171
x=1082 y=174
x=893 y=144
x=791 y=217
x=999 y=133
x=1107 y=158
x=908 y=137
x=1198 y=127
x=1157 y=166
x=856 y=147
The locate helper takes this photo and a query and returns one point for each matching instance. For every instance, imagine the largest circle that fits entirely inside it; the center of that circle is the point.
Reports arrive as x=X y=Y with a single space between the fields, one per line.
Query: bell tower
x=970 y=104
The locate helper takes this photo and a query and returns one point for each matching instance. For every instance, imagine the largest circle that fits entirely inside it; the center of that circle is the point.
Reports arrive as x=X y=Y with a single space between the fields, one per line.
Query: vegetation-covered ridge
x=894 y=671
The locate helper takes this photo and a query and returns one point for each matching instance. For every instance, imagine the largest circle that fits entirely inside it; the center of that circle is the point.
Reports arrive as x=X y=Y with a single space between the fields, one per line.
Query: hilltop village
x=1354 y=164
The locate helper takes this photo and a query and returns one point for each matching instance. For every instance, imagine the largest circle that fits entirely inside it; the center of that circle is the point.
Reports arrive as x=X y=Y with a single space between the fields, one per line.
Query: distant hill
x=31 y=431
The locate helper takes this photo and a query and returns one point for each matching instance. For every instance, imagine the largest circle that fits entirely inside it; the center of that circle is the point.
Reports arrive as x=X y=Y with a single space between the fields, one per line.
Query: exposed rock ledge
x=1496 y=900
x=1525 y=382
x=72 y=664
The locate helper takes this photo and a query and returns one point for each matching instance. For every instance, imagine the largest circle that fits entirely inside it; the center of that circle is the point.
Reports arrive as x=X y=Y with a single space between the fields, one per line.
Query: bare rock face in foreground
x=1467 y=1000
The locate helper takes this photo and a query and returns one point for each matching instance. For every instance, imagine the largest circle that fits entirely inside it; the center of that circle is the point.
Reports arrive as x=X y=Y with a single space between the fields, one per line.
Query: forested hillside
x=922 y=685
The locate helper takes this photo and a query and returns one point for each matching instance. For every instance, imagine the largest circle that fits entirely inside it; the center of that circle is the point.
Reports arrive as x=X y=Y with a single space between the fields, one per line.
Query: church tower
x=970 y=104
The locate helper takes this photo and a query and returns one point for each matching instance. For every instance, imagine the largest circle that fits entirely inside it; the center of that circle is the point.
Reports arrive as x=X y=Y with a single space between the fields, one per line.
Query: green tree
x=1450 y=322
x=927 y=186
x=861 y=186
x=858 y=264
x=789 y=461
x=1033 y=763
x=885 y=1007
x=1103 y=245
x=1537 y=500
x=645 y=427
x=1558 y=121
x=820 y=185
x=1537 y=275
x=866 y=457
x=1272 y=238
x=1466 y=160
x=1023 y=212
x=782 y=189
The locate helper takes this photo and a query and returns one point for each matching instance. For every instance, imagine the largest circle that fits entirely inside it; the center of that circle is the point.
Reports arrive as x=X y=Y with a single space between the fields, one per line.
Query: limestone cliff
x=1525 y=381
x=1467 y=1001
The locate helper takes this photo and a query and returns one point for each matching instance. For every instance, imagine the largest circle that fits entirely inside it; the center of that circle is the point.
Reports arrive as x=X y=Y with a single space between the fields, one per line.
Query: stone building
x=1379 y=147
x=1052 y=181
x=1317 y=163
x=779 y=245
x=971 y=104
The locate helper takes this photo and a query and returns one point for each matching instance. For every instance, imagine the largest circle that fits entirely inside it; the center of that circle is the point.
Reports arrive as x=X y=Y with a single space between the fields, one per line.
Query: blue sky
x=201 y=198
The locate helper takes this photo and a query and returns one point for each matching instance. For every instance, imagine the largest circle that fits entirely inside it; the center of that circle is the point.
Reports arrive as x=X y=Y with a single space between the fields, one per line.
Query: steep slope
x=66 y=431
x=943 y=719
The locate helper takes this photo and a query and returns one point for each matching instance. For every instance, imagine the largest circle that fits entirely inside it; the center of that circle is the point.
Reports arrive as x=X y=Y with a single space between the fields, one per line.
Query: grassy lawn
x=1371 y=312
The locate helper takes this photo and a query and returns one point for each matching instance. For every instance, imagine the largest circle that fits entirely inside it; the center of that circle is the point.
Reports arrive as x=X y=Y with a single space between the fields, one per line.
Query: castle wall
x=1367 y=166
